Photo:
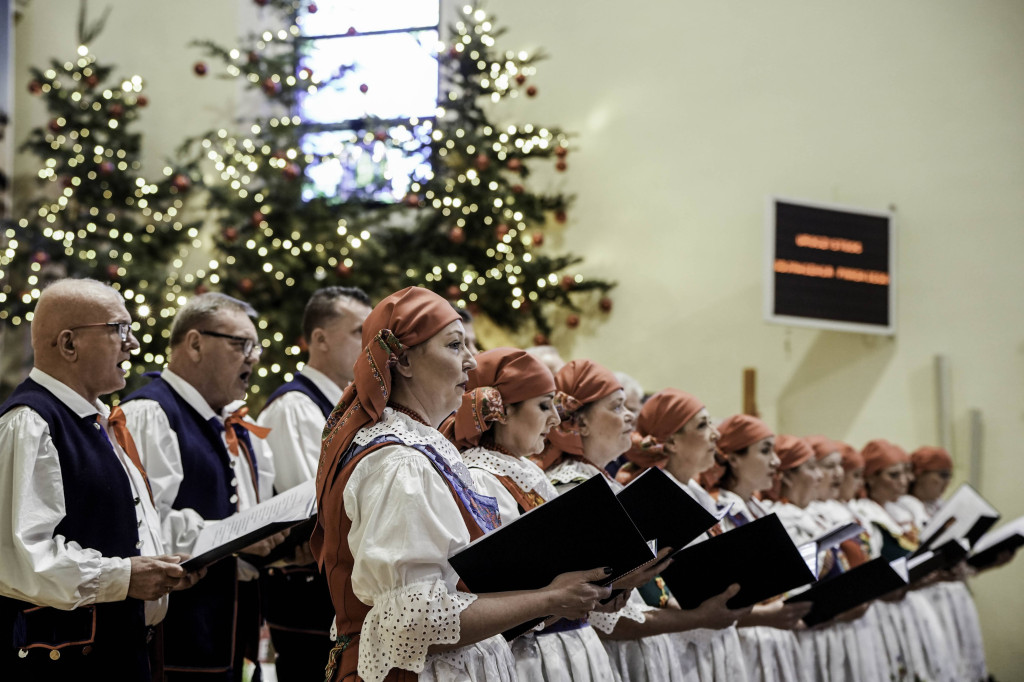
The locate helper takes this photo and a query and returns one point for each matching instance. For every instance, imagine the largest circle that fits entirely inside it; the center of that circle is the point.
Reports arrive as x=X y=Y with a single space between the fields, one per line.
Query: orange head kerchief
x=741 y=431
x=792 y=452
x=503 y=376
x=404 y=319
x=881 y=454
x=577 y=384
x=930 y=458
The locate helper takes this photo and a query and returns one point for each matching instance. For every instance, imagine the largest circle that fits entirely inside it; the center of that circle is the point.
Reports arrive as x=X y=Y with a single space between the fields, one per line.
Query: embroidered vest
x=100 y=508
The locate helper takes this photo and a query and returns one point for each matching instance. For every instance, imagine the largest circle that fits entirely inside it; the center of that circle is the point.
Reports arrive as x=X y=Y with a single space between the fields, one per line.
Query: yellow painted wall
x=688 y=115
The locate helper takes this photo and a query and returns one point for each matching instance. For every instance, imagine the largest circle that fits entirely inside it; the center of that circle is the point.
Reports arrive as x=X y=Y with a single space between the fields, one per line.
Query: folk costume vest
x=100 y=506
x=306 y=388
x=208 y=624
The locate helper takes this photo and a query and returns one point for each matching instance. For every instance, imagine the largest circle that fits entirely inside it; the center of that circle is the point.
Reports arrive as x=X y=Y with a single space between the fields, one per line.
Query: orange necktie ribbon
x=118 y=424
x=238 y=417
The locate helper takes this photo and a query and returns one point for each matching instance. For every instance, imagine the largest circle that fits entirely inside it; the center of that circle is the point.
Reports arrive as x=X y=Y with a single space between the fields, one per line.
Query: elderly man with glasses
x=206 y=457
x=84 y=574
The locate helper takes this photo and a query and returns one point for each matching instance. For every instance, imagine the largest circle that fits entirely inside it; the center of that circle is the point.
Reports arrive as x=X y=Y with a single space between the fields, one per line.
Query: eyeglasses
x=123 y=328
x=249 y=347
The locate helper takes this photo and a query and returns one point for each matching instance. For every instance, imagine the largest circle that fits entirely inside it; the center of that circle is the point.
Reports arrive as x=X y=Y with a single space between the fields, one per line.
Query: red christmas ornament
x=116 y=110
x=311 y=8
x=540 y=339
x=457 y=235
x=201 y=289
x=501 y=230
x=106 y=168
x=514 y=164
x=199 y=68
x=181 y=182
x=572 y=321
x=253 y=57
x=55 y=127
x=271 y=87
x=230 y=234
x=531 y=91
x=245 y=285
x=142 y=100
x=257 y=218
x=606 y=304
x=35 y=87
x=351 y=31
x=560 y=216
x=561 y=151
x=537 y=238
x=364 y=88
x=343 y=270
x=453 y=53
x=92 y=81
x=453 y=292
x=40 y=257
x=526 y=305
x=261 y=3
x=412 y=200
x=66 y=182
x=483 y=162
x=518 y=189
x=520 y=78
x=292 y=171
x=380 y=135
x=568 y=282
x=561 y=165
x=112 y=272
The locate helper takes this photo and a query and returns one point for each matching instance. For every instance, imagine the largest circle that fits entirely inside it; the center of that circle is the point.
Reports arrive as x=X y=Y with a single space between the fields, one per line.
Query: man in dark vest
x=207 y=458
x=84 y=574
x=296 y=601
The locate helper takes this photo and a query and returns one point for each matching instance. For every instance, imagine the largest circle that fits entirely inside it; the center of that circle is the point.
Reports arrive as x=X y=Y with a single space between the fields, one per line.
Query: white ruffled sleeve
x=405 y=525
x=633 y=610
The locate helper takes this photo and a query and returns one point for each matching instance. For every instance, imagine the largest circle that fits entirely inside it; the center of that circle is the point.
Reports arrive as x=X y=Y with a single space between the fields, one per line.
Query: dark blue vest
x=100 y=514
x=307 y=388
x=203 y=631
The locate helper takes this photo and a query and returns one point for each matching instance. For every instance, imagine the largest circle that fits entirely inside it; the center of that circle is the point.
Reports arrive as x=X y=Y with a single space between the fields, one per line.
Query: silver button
x=97 y=425
x=234 y=482
x=138 y=545
x=140 y=524
x=22 y=653
x=137 y=500
x=233 y=499
x=232 y=463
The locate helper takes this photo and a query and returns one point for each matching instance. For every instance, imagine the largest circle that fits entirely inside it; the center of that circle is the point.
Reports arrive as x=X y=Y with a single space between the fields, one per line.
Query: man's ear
x=317 y=337
x=192 y=345
x=66 y=345
x=403 y=364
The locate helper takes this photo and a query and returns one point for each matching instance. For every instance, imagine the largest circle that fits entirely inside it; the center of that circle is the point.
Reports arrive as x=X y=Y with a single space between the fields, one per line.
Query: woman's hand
x=778 y=614
x=713 y=612
x=648 y=573
x=574 y=595
x=616 y=604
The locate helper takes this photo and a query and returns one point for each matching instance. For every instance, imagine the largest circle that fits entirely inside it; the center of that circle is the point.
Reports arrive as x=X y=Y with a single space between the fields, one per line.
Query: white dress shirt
x=37 y=566
x=297 y=425
x=158 y=448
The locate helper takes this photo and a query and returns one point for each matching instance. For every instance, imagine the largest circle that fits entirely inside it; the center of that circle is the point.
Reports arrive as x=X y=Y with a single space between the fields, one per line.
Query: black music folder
x=664 y=512
x=857 y=586
x=579 y=530
x=1007 y=538
x=966 y=514
x=941 y=558
x=758 y=556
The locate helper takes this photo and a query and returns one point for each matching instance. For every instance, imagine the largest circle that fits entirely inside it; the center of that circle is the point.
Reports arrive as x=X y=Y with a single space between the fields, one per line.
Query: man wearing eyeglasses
x=85 y=574
x=206 y=456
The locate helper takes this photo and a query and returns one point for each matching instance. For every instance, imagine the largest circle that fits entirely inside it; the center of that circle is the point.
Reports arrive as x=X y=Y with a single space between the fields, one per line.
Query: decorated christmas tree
x=95 y=215
x=465 y=222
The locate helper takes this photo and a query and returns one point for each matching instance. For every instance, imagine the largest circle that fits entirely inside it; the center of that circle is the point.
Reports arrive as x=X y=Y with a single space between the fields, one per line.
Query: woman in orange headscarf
x=915 y=633
x=396 y=500
x=505 y=415
x=596 y=428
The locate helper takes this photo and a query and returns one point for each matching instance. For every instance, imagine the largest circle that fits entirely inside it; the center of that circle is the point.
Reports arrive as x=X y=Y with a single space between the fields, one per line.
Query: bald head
x=73 y=339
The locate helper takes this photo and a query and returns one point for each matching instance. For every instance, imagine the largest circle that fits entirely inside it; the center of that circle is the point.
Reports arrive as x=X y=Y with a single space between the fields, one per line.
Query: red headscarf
x=735 y=433
x=404 y=319
x=503 y=376
x=578 y=384
x=881 y=454
x=929 y=458
x=823 y=447
x=851 y=458
x=792 y=452
x=666 y=412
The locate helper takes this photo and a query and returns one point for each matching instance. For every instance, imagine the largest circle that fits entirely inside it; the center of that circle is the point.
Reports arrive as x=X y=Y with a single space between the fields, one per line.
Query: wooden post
x=750 y=391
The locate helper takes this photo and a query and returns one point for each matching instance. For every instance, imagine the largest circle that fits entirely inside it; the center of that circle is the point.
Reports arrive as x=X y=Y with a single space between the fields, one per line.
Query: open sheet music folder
x=1007 y=538
x=965 y=515
x=582 y=529
x=758 y=556
x=221 y=539
x=941 y=558
x=859 y=585
x=664 y=512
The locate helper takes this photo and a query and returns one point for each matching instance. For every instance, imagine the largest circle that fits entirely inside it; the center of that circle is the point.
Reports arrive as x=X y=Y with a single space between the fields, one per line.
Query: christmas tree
x=95 y=215
x=466 y=224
